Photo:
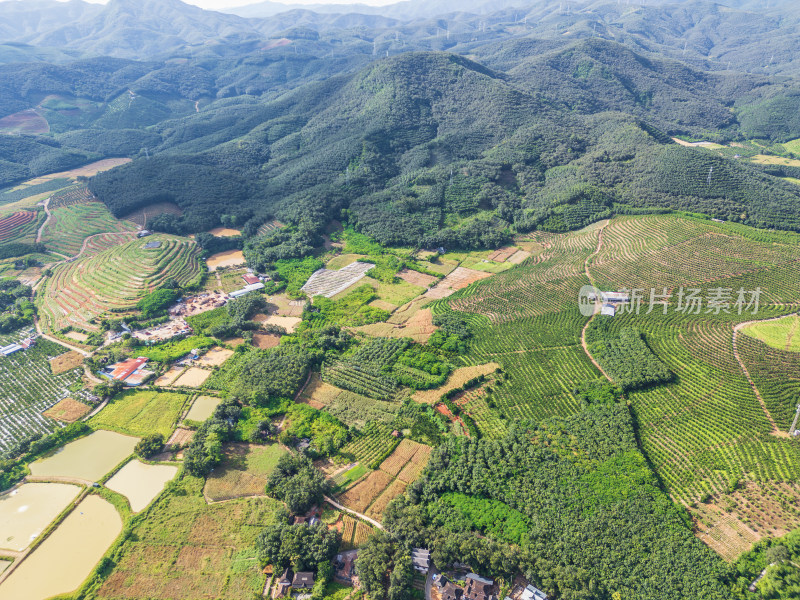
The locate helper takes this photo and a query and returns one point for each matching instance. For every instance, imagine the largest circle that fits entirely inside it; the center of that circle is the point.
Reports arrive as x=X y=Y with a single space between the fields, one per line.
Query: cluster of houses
x=131 y=371
x=302 y=580
x=252 y=283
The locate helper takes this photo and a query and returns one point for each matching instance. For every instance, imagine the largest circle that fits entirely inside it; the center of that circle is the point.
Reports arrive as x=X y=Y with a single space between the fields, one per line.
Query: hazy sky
x=214 y=4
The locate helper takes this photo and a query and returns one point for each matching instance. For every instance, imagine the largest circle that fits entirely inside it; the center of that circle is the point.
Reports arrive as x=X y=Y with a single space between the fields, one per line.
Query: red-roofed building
x=129 y=371
x=250 y=279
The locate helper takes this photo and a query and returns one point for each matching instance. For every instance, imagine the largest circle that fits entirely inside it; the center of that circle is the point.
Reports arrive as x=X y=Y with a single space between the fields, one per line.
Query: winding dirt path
x=39 y=233
x=335 y=504
x=597 y=303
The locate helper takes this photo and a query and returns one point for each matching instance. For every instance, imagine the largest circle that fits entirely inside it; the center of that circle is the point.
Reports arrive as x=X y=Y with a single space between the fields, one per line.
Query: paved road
x=429 y=582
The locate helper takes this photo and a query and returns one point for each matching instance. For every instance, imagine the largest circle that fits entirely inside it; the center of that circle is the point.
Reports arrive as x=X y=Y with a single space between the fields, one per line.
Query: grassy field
x=793 y=147
x=243 y=472
x=184 y=549
x=68 y=227
x=706 y=430
x=783 y=334
x=141 y=413
x=114 y=277
x=28 y=388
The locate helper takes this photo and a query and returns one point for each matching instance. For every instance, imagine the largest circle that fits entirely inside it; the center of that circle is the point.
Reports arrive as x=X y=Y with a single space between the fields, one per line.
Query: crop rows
x=116 y=278
x=777 y=376
x=28 y=388
x=19 y=227
x=78 y=194
x=373 y=442
x=68 y=227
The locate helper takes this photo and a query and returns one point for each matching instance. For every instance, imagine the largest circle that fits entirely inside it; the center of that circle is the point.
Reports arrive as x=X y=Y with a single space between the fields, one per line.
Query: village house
x=303 y=580
x=478 y=588
x=421 y=559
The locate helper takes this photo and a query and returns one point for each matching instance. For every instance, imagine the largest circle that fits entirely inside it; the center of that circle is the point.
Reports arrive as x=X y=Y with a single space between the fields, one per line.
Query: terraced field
x=76 y=194
x=68 y=227
x=19 y=227
x=707 y=429
x=116 y=277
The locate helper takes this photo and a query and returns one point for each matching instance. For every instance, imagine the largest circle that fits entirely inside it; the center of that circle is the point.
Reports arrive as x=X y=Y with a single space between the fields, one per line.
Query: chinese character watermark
x=687 y=301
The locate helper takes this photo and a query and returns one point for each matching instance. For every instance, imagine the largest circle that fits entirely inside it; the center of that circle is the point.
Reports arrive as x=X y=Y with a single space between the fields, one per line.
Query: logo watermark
x=688 y=301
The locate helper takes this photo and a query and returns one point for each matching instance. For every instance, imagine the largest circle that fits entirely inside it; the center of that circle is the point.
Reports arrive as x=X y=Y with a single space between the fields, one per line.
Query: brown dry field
x=457 y=378
x=265 y=340
x=169 y=377
x=376 y=509
x=416 y=278
x=458 y=279
x=414 y=467
x=227 y=484
x=361 y=495
x=87 y=171
x=68 y=411
x=318 y=394
x=229 y=258
x=193 y=377
x=78 y=336
x=151 y=211
x=419 y=326
x=288 y=323
x=383 y=305
x=215 y=357
x=404 y=452
x=224 y=232
x=180 y=437
x=284 y=306
x=234 y=342
x=519 y=257
x=502 y=254
x=66 y=362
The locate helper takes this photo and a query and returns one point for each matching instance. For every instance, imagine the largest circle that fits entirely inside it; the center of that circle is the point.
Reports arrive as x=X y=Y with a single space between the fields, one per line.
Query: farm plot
x=28 y=388
x=460 y=278
x=193 y=377
x=187 y=549
x=145 y=215
x=457 y=379
x=243 y=471
x=67 y=411
x=27 y=511
x=372 y=444
x=373 y=493
x=75 y=194
x=66 y=362
x=141 y=413
x=354 y=532
x=203 y=408
x=783 y=334
x=19 y=227
x=348 y=407
x=26 y=121
x=116 y=278
x=269 y=226
x=325 y=282
x=68 y=227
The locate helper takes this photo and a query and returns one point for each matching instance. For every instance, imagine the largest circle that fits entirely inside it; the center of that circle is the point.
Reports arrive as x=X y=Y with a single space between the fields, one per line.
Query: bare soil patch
x=169 y=377
x=318 y=394
x=457 y=378
x=78 y=336
x=502 y=254
x=67 y=411
x=415 y=278
x=145 y=215
x=193 y=377
x=179 y=438
x=458 y=279
x=66 y=362
x=518 y=257
x=225 y=232
x=288 y=323
x=266 y=340
x=215 y=357
x=229 y=258
x=26 y=121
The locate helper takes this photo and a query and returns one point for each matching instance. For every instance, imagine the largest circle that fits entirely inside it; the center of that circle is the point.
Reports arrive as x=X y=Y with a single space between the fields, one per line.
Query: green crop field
x=793 y=147
x=68 y=227
x=20 y=227
x=28 y=388
x=141 y=413
x=705 y=428
x=187 y=549
x=373 y=443
x=115 y=277
x=783 y=334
